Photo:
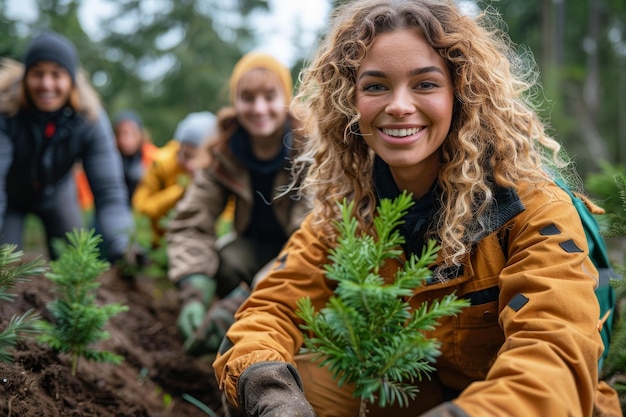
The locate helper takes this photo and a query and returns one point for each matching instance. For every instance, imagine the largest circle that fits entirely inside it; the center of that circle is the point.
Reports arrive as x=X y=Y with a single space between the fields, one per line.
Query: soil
x=156 y=378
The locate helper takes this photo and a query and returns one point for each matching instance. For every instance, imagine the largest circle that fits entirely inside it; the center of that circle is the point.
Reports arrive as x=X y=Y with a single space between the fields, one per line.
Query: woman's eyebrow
x=372 y=73
x=424 y=70
x=416 y=71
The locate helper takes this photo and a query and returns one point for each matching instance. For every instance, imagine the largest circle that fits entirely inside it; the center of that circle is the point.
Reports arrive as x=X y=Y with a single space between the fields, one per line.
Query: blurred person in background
x=136 y=149
x=171 y=171
x=51 y=119
x=248 y=161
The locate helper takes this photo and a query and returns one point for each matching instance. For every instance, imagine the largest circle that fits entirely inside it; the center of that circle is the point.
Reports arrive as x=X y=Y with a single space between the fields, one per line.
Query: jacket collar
x=507 y=203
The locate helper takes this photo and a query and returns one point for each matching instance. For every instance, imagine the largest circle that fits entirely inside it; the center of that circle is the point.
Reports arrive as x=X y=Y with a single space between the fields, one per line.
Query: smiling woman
x=50 y=123
x=416 y=96
x=405 y=98
x=49 y=85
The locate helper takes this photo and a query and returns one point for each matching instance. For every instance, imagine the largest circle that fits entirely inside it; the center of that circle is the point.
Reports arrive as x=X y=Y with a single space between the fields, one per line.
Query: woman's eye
x=427 y=85
x=373 y=87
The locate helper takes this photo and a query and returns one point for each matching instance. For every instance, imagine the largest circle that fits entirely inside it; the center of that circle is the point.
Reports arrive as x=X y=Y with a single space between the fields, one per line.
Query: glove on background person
x=196 y=293
x=221 y=315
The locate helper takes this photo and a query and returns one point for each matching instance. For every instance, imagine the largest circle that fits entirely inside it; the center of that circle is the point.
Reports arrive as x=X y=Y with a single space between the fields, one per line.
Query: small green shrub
x=13 y=271
x=614 y=369
x=604 y=187
x=367 y=333
x=78 y=321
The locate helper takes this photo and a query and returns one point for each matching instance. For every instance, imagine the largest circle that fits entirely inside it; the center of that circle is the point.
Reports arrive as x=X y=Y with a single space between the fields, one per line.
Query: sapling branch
x=12 y=272
x=367 y=333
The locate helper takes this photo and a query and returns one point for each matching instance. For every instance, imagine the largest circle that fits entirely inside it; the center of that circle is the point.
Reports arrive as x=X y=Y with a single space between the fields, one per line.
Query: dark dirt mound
x=154 y=380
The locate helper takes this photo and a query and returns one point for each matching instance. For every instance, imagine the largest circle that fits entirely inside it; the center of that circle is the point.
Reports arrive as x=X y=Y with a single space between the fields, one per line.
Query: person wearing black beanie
x=50 y=121
x=53 y=47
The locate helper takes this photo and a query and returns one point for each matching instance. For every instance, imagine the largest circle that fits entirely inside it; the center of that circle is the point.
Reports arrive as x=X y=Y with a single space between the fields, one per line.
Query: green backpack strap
x=600 y=258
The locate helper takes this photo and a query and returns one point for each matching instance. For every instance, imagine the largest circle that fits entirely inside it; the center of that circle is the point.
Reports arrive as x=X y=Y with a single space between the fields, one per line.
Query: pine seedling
x=77 y=321
x=12 y=272
x=367 y=333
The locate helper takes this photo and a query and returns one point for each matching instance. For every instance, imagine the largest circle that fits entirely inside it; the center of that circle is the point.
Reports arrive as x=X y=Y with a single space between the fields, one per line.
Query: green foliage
x=605 y=186
x=618 y=219
x=582 y=67
x=615 y=363
x=13 y=271
x=78 y=321
x=367 y=333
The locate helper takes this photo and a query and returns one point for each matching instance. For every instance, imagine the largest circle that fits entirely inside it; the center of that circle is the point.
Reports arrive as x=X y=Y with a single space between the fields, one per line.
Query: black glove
x=273 y=389
x=130 y=262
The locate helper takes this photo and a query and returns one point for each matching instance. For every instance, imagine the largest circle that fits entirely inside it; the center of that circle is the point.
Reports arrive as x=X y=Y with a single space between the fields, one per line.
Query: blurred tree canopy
x=163 y=59
x=580 y=46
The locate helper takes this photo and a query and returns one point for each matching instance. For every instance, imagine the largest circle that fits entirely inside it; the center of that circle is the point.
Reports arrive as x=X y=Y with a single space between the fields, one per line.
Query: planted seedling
x=13 y=271
x=367 y=334
x=78 y=322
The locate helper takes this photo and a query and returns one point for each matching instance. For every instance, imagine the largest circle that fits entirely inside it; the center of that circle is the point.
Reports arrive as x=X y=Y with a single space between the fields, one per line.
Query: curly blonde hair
x=496 y=135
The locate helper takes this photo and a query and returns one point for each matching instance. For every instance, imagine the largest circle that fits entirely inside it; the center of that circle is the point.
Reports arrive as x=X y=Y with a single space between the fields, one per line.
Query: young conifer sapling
x=367 y=334
x=13 y=271
x=78 y=322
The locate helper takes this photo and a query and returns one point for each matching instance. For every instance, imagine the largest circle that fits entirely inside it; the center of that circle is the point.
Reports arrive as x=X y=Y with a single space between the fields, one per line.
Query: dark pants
x=58 y=210
x=240 y=260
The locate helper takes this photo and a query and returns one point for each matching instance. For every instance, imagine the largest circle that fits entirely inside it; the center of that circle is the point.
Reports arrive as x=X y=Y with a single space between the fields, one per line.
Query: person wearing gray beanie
x=195 y=127
x=172 y=170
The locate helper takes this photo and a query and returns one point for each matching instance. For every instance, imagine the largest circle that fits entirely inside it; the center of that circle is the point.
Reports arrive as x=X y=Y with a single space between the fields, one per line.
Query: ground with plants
x=156 y=378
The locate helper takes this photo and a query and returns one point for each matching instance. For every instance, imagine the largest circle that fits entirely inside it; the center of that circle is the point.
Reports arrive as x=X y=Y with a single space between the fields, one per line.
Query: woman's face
x=405 y=98
x=48 y=85
x=261 y=104
x=129 y=137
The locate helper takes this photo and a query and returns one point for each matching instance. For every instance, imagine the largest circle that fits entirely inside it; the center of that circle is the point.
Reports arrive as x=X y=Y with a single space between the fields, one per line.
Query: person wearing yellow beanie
x=260 y=60
x=247 y=162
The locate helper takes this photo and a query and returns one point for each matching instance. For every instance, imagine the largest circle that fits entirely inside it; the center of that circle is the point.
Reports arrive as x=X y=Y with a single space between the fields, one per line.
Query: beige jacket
x=191 y=233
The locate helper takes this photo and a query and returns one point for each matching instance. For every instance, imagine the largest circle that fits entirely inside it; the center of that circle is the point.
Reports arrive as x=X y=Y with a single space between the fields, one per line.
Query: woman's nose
x=401 y=103
x=260 y=105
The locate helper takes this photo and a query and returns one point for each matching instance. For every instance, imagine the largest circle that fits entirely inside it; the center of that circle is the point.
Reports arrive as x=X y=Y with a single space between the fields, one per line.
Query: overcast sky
x=276 y=31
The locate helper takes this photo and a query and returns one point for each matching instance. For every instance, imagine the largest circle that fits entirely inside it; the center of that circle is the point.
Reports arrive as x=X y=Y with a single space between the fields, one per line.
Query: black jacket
x=31 y=165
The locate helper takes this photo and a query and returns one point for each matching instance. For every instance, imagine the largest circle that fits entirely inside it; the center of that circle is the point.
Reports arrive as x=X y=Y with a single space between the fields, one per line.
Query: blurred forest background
x=579 y=45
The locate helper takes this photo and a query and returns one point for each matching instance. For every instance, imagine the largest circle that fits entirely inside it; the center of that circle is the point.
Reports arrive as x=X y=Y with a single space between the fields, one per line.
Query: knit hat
x=195 y=127
x=51 y=46
x=254 y=60
x=127 y=115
